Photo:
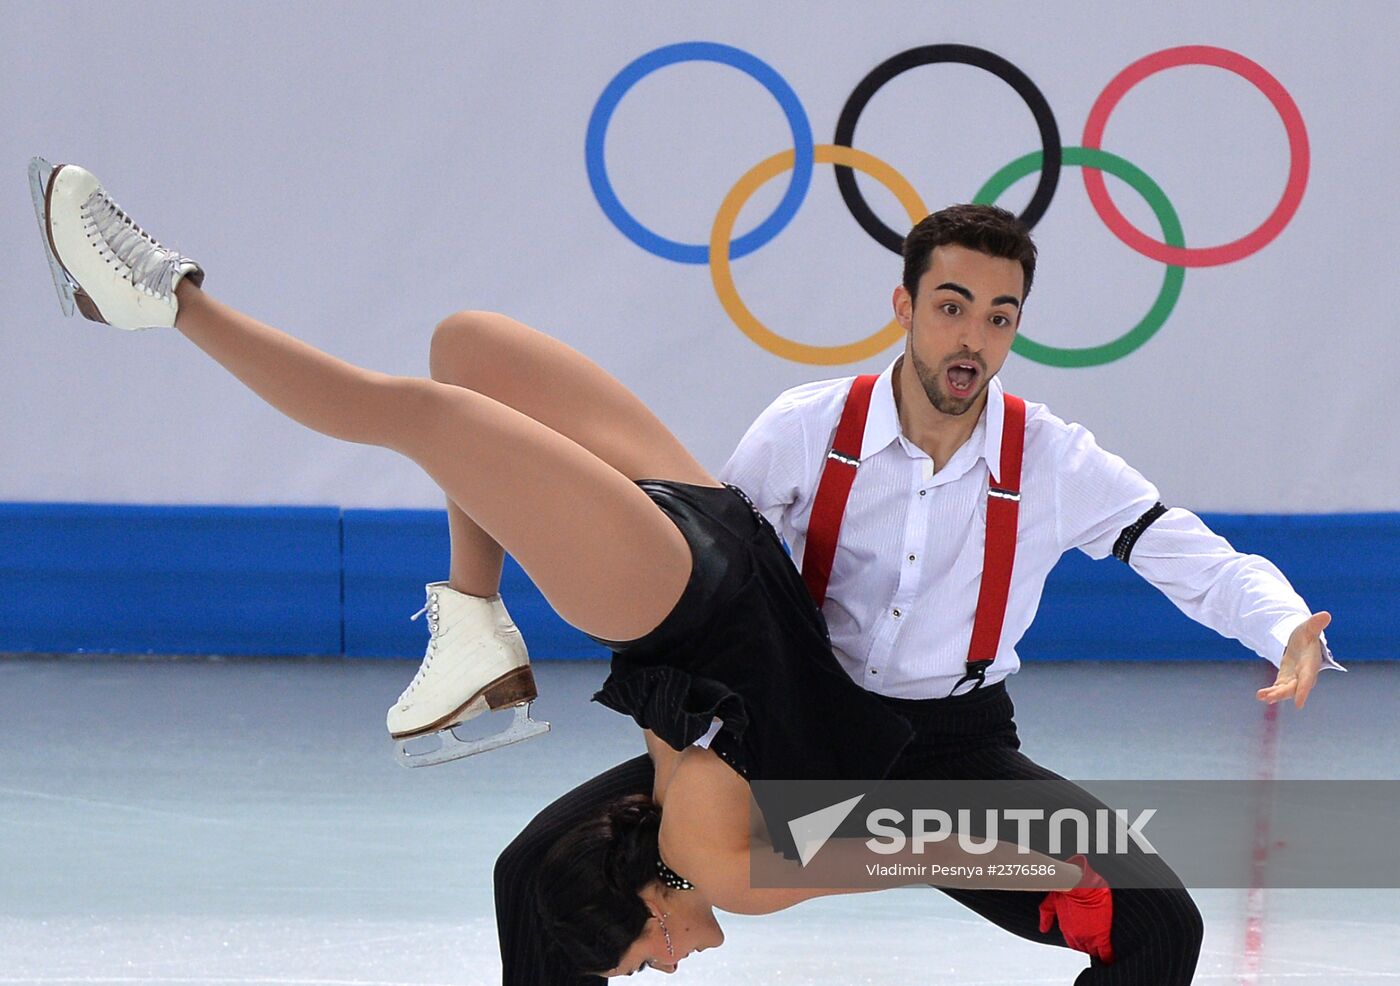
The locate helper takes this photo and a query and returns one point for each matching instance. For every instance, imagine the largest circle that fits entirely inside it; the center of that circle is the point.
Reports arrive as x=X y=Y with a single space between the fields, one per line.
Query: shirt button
x=911 y=557
x=923 y=492
x=873 y=671
x=896 y=614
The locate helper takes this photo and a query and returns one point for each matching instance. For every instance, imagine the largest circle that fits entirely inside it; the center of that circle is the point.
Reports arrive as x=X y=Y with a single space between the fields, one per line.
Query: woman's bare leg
x=562 y=389
x=605 y=557
x=476 y=559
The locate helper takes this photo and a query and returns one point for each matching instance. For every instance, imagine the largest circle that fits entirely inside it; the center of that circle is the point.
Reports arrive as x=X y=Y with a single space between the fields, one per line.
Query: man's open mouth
x=962 y=378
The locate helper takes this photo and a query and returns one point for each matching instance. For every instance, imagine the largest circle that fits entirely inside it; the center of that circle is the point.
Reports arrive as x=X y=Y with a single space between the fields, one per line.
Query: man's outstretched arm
x=1107 y=507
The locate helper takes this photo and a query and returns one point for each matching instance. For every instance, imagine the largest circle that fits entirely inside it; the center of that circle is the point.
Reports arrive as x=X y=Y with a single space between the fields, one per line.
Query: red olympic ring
x=1297 y=152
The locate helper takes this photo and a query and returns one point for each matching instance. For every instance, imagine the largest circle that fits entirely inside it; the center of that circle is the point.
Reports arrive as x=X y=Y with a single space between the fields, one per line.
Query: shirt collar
x=995 y=416
x=882 y=423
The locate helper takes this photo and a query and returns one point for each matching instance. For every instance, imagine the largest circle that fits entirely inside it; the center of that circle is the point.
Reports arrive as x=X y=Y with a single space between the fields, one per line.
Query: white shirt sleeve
x=1098 y=494
x=770 y=464
x=1243 y=597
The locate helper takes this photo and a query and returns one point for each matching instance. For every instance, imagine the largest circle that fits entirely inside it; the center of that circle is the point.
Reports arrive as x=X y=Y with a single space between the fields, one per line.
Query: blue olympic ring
x=698 y=51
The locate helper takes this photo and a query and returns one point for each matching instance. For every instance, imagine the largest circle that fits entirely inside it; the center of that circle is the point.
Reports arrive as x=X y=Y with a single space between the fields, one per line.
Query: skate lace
x=431 y=609
x=147 y=263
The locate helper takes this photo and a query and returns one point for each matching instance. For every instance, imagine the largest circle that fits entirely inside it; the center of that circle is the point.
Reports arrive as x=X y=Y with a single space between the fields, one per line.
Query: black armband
x=1123 y=547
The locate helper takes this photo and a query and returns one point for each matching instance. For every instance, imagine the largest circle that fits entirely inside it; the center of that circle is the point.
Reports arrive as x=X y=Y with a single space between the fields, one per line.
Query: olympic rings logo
x=1090 y=157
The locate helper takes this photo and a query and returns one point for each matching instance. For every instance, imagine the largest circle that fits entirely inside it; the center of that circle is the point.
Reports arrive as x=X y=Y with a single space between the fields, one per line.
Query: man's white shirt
x=908 y=566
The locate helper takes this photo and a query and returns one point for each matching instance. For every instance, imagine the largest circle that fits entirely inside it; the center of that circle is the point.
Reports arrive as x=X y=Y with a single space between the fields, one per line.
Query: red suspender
x=834 y=489
x=1003 y=508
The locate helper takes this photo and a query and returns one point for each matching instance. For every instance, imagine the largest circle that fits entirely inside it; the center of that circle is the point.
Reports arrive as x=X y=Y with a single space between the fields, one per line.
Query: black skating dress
x=747 y=645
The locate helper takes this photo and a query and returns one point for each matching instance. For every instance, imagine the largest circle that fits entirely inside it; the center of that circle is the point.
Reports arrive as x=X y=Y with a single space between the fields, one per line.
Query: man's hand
x=1302 y=659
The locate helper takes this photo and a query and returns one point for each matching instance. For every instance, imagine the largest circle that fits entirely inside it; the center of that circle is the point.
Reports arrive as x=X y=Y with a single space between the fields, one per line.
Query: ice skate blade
x=521 y=728
x=39 y=172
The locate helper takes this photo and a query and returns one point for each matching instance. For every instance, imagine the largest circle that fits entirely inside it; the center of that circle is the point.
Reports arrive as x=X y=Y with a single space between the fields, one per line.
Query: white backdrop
x=353 y=172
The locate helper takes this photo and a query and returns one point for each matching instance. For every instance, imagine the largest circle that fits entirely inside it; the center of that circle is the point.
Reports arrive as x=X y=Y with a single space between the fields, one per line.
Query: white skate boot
x=100 y=259
x=476 y=662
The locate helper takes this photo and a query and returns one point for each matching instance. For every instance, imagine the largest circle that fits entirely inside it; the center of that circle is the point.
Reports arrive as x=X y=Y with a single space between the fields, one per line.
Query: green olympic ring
x=1172 y=280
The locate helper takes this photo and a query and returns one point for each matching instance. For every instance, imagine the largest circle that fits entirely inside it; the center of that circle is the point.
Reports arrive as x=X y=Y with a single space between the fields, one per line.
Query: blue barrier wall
x=319 y=580
x=390 y=554
x=170 y=580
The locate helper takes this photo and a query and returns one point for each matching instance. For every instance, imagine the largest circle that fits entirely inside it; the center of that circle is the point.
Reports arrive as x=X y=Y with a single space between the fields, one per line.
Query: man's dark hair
x=984 y=228
x=591 y=879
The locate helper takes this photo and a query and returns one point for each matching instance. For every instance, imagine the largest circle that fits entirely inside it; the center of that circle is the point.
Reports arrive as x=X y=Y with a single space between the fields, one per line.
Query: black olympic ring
x=932 y=55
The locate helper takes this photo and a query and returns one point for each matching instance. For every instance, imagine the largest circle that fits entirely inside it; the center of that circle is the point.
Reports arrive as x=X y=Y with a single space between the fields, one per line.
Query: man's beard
x=932 y=383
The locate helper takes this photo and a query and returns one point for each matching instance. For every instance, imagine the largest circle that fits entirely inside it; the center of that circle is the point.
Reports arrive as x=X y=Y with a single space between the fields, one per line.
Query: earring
x=661 y=919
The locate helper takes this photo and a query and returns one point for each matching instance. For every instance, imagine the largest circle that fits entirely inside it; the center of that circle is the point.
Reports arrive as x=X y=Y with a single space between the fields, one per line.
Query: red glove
x=1085 y=913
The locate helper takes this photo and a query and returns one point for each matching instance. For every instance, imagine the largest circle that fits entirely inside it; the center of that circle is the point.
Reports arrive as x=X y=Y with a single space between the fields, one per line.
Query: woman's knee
x=453 y=340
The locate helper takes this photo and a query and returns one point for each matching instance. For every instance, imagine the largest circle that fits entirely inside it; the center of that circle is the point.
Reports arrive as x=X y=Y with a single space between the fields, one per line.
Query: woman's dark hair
x=984 y=228
x=588 y=892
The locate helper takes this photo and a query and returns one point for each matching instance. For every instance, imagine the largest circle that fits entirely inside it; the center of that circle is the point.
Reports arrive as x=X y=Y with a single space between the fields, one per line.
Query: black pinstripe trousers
x=1156 y=933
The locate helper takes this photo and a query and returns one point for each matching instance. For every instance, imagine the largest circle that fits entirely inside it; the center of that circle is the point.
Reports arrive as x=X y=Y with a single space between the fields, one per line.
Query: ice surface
x=202 y=821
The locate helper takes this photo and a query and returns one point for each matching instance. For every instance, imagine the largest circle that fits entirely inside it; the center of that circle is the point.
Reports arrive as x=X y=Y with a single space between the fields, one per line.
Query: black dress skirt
x=747 y=645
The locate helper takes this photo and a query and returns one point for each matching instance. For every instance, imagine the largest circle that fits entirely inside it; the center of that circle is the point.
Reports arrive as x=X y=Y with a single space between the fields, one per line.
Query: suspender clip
x=976 y=673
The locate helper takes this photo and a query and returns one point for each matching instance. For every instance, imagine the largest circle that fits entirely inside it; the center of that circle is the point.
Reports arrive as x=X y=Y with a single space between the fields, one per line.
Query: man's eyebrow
x=1002 y=299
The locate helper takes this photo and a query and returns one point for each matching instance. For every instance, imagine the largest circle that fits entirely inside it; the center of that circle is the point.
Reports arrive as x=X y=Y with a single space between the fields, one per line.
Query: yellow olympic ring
x=723 y=278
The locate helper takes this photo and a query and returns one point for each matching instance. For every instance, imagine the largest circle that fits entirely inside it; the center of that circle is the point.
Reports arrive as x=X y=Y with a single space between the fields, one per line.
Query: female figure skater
x=629 y=538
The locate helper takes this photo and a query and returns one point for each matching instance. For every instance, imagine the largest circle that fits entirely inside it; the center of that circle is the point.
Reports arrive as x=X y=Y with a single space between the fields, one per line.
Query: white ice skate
x=101 y=260
x=476 y=662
